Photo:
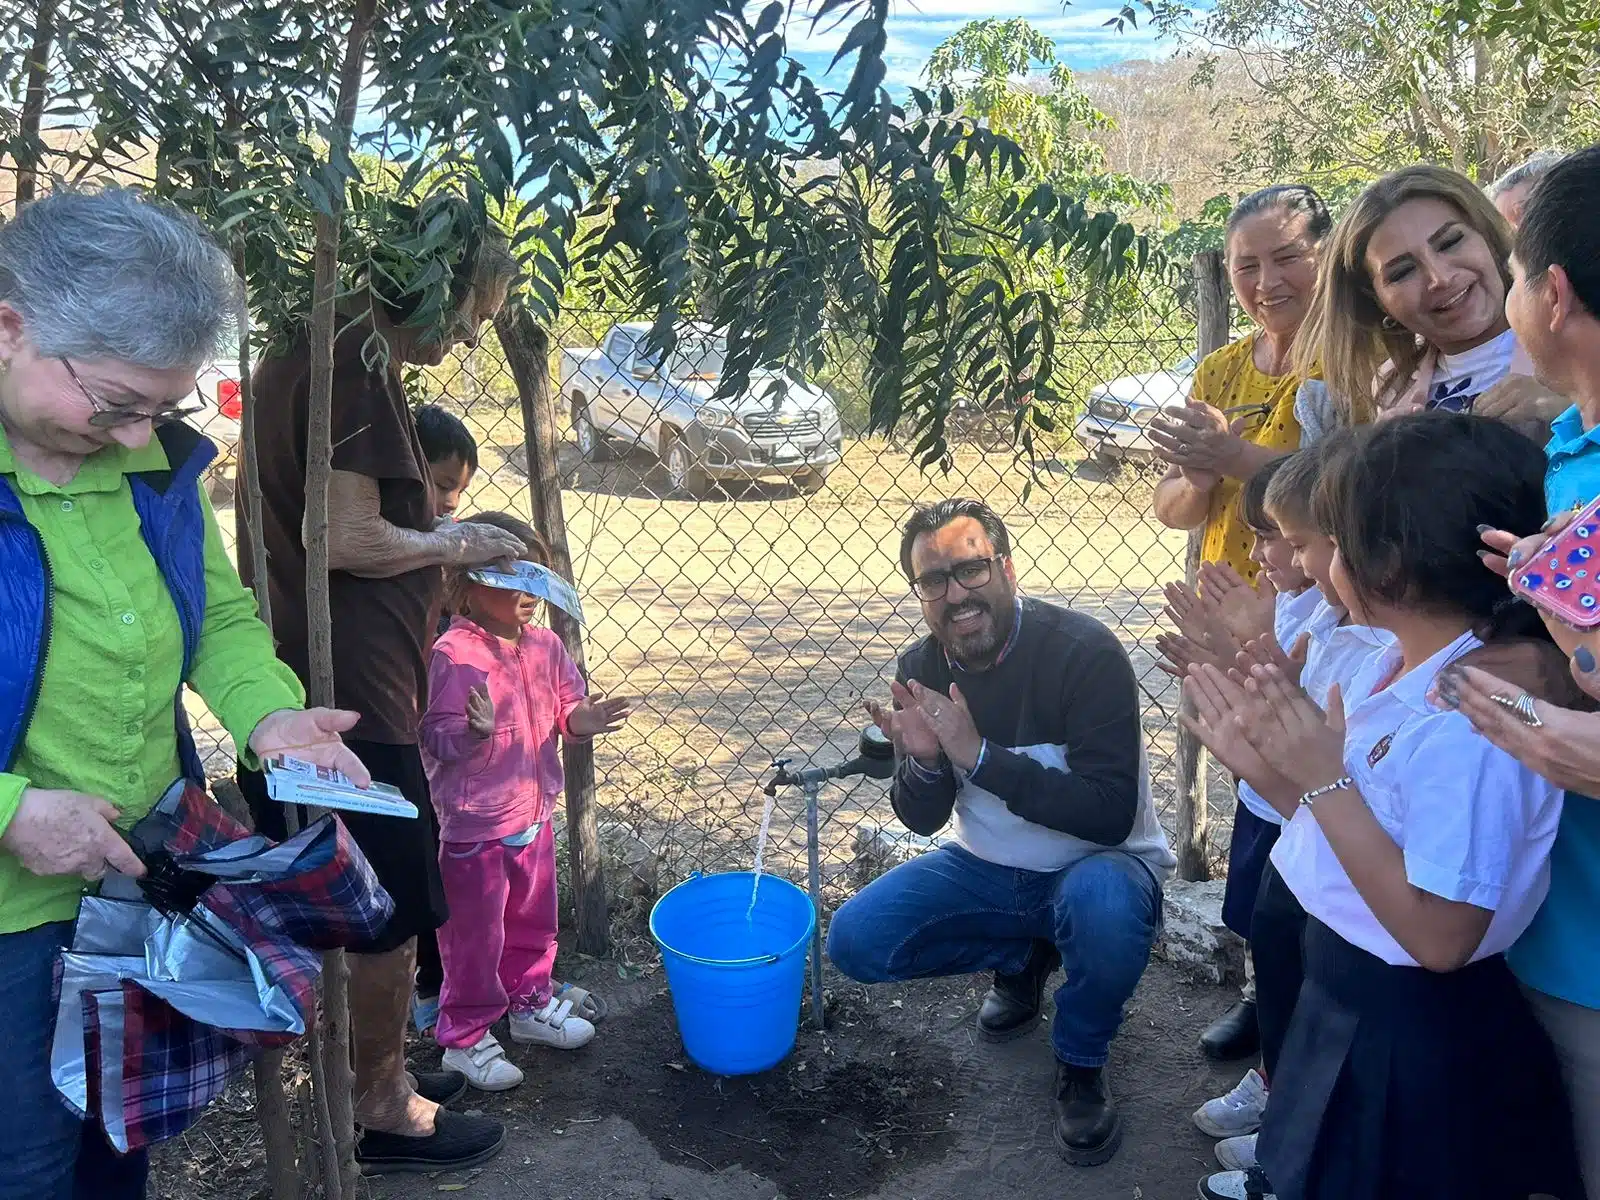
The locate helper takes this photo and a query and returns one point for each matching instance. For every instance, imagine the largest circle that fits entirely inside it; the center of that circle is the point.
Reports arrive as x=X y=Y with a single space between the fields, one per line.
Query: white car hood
x=1152 y=387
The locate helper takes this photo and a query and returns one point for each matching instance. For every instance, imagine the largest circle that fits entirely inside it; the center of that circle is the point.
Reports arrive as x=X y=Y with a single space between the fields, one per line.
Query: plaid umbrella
x=173 y=980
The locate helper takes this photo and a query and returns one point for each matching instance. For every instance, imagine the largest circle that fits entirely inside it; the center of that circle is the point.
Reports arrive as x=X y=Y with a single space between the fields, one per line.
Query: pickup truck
x=620 y=396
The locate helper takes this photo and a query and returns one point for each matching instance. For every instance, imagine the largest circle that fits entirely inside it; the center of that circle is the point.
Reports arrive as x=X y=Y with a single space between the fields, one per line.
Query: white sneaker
x=485 y=1065
x=1237 y=1153
x=1235 y=1185
x=553 y=1025
x=1237 y=1113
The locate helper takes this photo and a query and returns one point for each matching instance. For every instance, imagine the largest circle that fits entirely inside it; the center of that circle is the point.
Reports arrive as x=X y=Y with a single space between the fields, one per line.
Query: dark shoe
x=1234 y=1034
x=457 y=1142
x=440 y=1087
x=1012 y=1005
x=1088 y=1127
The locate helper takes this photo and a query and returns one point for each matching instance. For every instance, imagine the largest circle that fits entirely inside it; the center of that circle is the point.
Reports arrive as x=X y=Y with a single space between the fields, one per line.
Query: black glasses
x=113 y=416
x=971 y=574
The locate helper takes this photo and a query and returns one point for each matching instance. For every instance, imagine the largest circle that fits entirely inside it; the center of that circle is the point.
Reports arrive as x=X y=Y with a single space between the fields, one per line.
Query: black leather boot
x=1012 y=1005
x=1088 y=1126
x=1234 y=1034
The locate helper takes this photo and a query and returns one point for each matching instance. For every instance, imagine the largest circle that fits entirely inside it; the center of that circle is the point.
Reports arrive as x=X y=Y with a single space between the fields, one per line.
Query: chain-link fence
x=739 y=568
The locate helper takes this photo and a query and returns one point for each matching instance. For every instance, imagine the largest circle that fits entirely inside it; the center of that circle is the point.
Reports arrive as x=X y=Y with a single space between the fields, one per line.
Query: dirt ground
x=898 y=1100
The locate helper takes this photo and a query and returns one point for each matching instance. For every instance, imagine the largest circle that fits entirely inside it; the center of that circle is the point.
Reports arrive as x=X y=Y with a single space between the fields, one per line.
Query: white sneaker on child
x=1237 y=1113
x=1235 y=1185
x=552 y=1025
x=1237 y=1153
x=485 y=1065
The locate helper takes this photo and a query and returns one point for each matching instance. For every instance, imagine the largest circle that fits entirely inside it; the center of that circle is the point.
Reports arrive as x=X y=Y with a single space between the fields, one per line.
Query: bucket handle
x=764 y=960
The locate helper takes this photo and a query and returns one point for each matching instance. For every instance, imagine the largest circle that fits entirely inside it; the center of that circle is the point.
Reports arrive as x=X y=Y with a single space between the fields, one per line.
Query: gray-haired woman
x=115 y=592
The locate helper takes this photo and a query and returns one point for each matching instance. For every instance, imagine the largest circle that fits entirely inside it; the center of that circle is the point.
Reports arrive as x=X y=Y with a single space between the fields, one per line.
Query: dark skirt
x=1277 y=934
x=1398 y=1083
x=1252 y=841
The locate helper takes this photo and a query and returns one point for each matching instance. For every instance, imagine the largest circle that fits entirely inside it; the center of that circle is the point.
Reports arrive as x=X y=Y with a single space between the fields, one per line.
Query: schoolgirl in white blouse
x=1412 y=1066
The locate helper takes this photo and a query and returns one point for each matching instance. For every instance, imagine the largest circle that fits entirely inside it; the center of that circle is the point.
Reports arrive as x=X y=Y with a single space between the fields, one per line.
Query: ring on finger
x=1526 y=713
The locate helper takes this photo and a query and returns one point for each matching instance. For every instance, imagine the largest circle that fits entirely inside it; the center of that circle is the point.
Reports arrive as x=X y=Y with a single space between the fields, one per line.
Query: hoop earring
x=1390 y=325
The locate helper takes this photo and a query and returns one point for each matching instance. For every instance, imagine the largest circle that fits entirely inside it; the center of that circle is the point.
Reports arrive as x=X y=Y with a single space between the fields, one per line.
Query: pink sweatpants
x=499 y=945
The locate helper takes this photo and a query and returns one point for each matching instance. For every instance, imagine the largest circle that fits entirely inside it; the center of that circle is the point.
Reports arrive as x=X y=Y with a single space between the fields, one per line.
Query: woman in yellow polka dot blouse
x=1241 y=410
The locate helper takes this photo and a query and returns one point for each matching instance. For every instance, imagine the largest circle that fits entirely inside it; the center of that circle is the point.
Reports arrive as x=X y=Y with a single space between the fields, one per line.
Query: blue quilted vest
x=172 y=520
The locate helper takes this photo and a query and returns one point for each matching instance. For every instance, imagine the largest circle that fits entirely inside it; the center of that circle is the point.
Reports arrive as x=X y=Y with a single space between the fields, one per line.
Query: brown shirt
x=381 y=627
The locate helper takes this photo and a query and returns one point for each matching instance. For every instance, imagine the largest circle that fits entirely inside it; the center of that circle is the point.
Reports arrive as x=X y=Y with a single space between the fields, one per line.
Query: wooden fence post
x=527 y=350
x=1194 y=822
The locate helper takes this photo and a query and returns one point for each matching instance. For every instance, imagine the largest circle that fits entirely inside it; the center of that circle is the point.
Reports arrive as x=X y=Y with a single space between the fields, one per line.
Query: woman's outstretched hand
x=311 y=734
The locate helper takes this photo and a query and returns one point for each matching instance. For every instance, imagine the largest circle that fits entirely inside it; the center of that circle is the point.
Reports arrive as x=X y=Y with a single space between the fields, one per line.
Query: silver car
x=1115 y=421
x=620 y=395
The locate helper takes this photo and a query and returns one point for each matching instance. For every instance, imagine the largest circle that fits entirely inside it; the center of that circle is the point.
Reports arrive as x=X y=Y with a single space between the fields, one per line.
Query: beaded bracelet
x=1338 y=785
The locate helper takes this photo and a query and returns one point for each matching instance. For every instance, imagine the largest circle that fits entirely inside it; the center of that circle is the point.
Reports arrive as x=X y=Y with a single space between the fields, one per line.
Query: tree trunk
x=277 y=1132
x=1193 y=818
x=527 y=350
x=272 y=1104
x=333 y=1089
x=32 y=114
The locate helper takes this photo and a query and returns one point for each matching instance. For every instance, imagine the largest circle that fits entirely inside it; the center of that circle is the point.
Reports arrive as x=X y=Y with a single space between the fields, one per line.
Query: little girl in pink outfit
x=501 y=694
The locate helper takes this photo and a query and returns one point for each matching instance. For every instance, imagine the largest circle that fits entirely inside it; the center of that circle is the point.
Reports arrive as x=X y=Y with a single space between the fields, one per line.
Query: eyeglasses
x=971 y=574
x=107 y=415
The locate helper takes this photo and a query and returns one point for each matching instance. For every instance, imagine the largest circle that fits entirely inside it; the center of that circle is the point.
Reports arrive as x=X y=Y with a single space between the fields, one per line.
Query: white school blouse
x=1336 y=653
x=1474 y=824
x=1290 y=617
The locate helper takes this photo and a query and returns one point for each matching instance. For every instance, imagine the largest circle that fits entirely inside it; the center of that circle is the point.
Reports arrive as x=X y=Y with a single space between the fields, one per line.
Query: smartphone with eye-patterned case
x=1563 y=576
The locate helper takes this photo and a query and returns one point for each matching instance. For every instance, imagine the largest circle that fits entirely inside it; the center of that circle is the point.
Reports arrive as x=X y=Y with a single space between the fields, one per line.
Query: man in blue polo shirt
x=1554 y=306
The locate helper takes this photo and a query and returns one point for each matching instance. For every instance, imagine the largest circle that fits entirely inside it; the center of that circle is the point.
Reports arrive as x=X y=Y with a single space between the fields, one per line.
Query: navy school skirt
x=1398 y=1083
x=1248 y=850
x=1277 y=935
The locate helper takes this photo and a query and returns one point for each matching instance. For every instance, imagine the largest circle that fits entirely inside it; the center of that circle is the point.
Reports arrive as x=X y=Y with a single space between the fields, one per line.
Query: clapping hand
x=1293 y=737
x=952 y=723
x=1221 y=706
x=599 y=714
x=1197 y=439
x=1246 y=612
x=1264 y=651
x=1202 y=636
x=1180 y=655
x=906 y=726
x=480 y=712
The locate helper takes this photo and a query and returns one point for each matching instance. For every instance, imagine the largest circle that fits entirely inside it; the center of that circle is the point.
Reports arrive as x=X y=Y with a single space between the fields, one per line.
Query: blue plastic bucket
x=735 y=982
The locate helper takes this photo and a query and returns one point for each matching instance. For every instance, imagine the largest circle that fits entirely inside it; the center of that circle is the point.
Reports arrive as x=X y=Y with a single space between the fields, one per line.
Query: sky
x=915 y=27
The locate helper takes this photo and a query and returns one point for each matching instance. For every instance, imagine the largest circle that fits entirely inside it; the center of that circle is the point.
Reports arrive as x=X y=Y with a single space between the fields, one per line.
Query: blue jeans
x=949 y=912
x=46 y=1152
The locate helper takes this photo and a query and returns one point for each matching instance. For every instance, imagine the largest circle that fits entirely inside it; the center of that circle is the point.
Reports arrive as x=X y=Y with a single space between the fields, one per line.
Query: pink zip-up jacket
x=490 y=788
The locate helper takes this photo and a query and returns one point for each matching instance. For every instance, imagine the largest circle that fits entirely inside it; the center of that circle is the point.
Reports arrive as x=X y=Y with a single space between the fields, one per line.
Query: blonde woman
x=1410 y=310
x=1240 y=414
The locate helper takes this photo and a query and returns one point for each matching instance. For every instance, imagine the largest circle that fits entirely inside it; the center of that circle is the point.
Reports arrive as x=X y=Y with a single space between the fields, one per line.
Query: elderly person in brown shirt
x=386 y=548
